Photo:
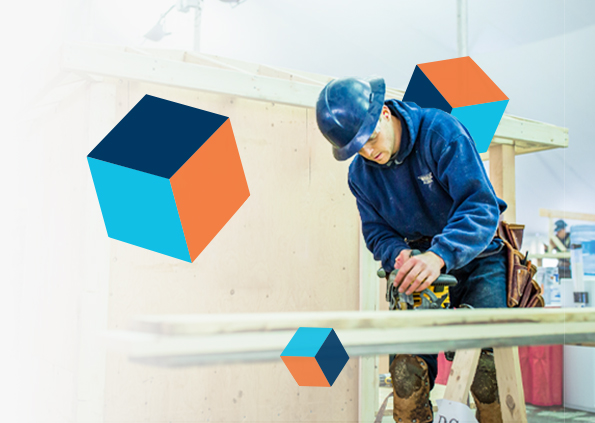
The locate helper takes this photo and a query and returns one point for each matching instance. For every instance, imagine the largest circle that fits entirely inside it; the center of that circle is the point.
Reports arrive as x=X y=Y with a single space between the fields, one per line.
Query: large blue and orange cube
x=460 y=87
x=315 y=356
x=168 y=177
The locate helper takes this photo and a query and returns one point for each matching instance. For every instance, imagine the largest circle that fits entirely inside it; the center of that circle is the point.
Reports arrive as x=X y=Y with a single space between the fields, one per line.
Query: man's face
x=381 y=145
x=561 y=233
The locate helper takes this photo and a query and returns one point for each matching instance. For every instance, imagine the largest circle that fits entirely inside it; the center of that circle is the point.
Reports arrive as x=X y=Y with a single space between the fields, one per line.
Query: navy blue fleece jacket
x=434 y=186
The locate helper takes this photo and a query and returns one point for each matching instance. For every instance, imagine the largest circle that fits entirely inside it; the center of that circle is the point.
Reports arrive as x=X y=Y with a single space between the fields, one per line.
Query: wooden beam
x=461 y=375
x=510 y=385
x=100 y=61
x=209 y=324
x=502 y=176
x=369 y=301
x=206 y=339
x=229 y=76
x=564 y=255
x=91 y=359
x=560 y=214
x=202 y=59
x=561 y=247
x=530 y=132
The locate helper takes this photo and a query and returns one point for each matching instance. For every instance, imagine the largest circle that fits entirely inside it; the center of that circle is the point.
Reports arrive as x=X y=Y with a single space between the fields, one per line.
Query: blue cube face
x=481 y=120
x=139 y=208
x=306 y=342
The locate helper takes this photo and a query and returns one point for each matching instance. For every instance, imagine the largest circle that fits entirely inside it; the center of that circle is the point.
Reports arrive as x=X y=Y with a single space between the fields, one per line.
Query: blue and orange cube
x=460 y=87
x=315 y=356
x=168 y=177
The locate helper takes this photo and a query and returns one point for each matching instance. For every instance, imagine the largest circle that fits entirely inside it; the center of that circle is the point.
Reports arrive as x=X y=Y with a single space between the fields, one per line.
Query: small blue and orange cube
x=315 y=356
x=460 y=87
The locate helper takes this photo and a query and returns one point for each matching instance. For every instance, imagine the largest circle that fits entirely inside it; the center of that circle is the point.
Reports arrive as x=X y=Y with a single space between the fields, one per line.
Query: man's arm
x=381 y=239
x=475 y=213
x=474 y=216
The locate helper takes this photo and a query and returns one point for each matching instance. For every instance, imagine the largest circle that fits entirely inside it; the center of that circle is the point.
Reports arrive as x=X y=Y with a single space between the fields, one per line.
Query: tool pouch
x=522 y=290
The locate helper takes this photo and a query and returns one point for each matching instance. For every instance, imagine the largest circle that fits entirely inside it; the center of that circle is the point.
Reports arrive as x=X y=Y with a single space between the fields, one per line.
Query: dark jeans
x=481 y=284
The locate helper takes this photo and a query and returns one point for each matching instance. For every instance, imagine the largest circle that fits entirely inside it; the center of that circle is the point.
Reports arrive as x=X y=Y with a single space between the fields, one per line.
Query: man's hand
x=416 y=273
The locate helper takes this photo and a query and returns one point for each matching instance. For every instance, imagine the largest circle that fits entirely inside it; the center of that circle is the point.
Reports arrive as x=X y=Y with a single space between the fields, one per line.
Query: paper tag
x=453 y=412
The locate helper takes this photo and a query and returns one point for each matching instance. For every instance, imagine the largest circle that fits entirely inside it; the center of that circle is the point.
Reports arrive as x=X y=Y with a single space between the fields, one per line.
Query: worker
x=564 y=237
x=419 y=183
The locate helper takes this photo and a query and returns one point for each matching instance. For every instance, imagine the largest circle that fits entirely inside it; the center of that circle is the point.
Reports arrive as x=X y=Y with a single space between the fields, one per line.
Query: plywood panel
x=293 y=246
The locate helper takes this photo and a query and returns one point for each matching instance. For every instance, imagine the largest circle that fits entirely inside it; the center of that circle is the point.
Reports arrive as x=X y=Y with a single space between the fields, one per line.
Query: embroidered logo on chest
x=426 y=179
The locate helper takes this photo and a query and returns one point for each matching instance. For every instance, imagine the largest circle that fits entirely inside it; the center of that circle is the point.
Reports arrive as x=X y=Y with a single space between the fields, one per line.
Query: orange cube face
x=462 y=82
x=306 y=371
x=168 y=177
x=460 y=87
x=209 y=189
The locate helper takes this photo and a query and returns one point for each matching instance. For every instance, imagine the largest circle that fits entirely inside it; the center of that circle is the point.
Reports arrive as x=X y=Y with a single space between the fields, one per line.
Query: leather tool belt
x=522 y=290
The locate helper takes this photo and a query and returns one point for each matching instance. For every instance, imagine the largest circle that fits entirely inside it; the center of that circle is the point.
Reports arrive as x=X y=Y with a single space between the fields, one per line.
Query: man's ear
x=385 y=111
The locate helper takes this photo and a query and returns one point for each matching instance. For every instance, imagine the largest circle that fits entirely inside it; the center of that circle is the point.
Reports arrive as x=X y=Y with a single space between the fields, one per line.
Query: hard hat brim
x=371 y=120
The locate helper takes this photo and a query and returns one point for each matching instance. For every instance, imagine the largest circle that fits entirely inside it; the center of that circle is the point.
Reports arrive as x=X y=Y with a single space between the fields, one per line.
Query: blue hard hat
x=560 y=224
x=347 y=112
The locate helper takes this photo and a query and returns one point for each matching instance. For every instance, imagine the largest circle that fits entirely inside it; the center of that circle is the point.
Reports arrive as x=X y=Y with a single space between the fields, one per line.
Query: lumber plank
x=195 y=324
x=369 y=301
x=264 y=336
x=550 y=255
x=187 y=75
x=560 y=214
x=502 y=176
x=246 y=80
x=461 y=375
x=510 y=385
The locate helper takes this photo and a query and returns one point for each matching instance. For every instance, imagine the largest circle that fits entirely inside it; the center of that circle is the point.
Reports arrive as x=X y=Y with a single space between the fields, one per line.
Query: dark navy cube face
x=157 y=136
x=422 y=92
x=332 y=357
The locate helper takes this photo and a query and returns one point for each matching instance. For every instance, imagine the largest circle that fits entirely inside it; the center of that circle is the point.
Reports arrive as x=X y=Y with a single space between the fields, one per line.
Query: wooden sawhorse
x=508 y=374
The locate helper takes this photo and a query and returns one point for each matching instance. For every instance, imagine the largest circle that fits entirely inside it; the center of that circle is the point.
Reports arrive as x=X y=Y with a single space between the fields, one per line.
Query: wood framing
x=212 y=324
x=502 y=176
x=104 y=61
x=94 y=297
x=266 y=83
x=508 y=373
x=369 y=301
x=550 y=255
x=510 y=386
x=560 y=214
x=461 y=373
x=207 y=339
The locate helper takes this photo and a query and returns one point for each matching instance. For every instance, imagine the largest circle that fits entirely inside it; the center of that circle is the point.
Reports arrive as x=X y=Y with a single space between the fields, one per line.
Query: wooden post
x=461 y=375
x=510 y=384
x=369 y=299
x=103 y=113
x=502 y=174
